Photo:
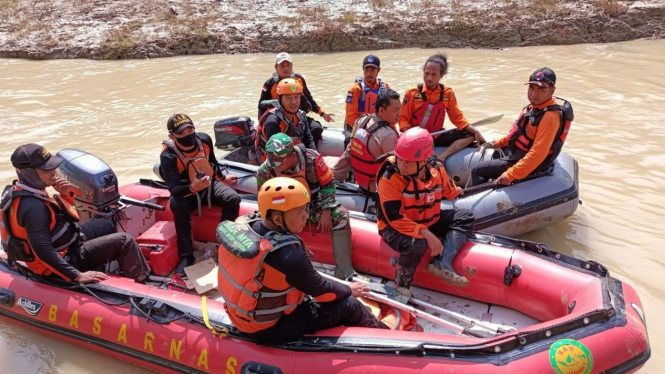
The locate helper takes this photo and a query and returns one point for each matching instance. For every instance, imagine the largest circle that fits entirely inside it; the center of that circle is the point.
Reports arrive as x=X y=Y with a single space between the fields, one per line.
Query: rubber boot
x=403 y=278
x=442 y=266
x=185 y=261
x=341 y=247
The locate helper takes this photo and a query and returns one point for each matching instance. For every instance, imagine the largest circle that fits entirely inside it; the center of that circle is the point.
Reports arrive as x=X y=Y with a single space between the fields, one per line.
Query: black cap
x=371 y=60
x=179 y=122
x=544 y=77
x=34 y=156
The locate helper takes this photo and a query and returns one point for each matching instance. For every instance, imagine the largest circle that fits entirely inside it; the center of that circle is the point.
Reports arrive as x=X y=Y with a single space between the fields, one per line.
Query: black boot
x=184 y=262
x=442 y=266
x=403 y=278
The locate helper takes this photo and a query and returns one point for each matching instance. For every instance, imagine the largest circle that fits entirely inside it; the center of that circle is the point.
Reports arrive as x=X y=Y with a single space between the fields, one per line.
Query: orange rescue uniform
x=543 y=136
x=413 y=101
x=409 y=205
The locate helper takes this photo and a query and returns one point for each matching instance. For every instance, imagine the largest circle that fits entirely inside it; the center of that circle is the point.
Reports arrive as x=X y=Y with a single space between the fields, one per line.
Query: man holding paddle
x=411 y=185
x=426 y=105
x=265 y=273
x=535 y=139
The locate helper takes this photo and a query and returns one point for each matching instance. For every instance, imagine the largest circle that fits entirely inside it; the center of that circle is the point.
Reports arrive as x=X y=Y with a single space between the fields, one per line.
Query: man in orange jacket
x=410 y=220
x=426 y=106
x=536 y=137
x=362 y=95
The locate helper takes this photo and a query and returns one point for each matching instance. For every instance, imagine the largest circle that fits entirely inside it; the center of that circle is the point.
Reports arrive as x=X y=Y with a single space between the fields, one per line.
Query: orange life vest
x=421 y=200
x=429 y=116
x=196 y=165
x=519 y=140
x=295 y=131
x=368 y=96
x=365 y=165
x=255 y=294
x=64 y=228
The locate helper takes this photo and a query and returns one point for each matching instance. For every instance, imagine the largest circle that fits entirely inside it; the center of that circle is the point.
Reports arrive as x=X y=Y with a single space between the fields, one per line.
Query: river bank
x=121 y=29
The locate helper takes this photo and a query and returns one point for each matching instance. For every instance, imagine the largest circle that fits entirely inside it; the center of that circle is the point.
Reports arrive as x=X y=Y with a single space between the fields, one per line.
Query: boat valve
x=511 y=273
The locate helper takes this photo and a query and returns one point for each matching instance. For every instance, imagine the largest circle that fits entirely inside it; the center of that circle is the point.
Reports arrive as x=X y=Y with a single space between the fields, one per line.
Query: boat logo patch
x=31 y=307
x=568 y=356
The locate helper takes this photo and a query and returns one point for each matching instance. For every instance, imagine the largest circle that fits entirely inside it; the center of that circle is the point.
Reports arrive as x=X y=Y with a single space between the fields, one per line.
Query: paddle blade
x=487 y=121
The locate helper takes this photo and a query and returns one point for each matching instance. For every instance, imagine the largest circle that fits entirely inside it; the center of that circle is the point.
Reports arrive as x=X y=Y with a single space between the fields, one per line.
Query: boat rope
x=219 y=332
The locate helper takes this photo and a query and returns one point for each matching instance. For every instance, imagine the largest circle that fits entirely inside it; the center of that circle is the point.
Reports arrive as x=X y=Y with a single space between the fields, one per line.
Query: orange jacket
x=413 y=101
x=543 y=136
x=409 y=205
x=352 y=97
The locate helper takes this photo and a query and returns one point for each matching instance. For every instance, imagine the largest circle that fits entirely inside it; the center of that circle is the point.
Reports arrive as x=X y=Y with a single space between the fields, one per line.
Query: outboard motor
x=95 y=185
x=235 y=132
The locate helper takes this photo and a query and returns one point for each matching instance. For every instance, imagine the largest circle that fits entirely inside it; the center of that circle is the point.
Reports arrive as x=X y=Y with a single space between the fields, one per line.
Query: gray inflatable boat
x=507 y=210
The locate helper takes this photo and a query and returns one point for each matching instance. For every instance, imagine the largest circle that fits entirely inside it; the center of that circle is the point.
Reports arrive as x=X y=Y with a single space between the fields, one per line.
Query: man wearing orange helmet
x=264 y=273
x=411 y=186
x=283 y=70
x=286 y=118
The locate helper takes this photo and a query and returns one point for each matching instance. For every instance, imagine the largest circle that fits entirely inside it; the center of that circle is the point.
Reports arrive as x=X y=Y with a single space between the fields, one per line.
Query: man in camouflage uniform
x=283 y=159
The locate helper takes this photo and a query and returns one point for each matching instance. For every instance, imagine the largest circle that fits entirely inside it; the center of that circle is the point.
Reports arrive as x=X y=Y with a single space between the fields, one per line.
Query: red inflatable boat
x=551 y=312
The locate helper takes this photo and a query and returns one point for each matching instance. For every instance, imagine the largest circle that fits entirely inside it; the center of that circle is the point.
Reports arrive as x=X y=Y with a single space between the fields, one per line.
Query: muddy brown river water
x=117 y=110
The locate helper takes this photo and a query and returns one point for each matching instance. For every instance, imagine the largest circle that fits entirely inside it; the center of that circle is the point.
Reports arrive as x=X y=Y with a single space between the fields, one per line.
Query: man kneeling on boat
x=193 y=175
x=536 y=138
x=309 y=168
x=43 y=231
x=411 y=186
x=265 y=273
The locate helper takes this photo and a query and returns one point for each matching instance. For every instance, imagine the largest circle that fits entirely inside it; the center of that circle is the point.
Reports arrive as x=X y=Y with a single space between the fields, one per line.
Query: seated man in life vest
x=43 y=230
x=362 y=95
x=286 y=118
x=194 y=177
x=373 y=137
x=283 y=70
x=536 y=137
x=273 y=268
x=309 y=167
x=426 y=106
x=411 y=186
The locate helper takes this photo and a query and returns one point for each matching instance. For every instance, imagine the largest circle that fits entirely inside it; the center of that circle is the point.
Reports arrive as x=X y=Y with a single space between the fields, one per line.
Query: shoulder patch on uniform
x=265 y=88
x=406 y=100
x=418 y=96
x=349 y=97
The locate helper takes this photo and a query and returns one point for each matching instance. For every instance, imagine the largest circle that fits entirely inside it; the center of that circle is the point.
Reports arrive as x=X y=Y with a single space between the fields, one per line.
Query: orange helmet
x=282 y=194
x=288 y=86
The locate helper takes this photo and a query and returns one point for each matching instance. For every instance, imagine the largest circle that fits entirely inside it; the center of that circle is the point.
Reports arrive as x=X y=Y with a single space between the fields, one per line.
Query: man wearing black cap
x=536 y=137
x=283 y=70
x=193 y=176
x=362 y=95
x=43 y=231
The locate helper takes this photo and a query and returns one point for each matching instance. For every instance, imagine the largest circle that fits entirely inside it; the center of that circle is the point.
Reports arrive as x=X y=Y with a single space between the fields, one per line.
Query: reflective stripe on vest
x=430 y=116
x=368 y=96
x=255 y=294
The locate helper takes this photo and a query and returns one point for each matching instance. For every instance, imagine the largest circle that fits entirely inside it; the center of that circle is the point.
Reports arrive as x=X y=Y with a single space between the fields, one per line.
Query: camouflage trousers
x=339 y=215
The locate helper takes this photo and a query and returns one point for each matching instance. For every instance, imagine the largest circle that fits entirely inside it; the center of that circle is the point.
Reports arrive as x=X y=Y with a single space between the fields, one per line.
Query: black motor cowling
x=96 y=183
x=235 y=132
